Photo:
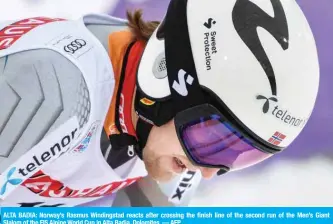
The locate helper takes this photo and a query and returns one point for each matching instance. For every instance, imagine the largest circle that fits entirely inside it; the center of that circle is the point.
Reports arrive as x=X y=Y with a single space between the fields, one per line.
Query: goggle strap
x=182 y=75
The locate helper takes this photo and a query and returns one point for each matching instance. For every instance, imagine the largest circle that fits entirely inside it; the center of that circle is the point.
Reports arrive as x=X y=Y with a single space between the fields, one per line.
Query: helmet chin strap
x=143 y=130
x=151 y=113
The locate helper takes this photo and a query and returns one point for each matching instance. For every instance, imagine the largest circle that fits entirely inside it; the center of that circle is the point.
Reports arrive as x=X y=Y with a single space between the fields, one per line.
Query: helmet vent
x=159 y=68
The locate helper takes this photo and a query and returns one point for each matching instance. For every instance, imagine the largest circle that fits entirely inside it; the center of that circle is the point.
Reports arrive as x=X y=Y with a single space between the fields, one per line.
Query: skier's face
x=164 y=156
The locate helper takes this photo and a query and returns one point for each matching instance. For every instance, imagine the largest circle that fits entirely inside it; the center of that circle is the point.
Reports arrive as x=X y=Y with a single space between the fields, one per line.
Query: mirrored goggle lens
x=213 y=142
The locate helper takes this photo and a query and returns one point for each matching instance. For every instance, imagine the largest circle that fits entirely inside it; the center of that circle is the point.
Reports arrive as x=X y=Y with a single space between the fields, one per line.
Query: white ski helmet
x=256 y=60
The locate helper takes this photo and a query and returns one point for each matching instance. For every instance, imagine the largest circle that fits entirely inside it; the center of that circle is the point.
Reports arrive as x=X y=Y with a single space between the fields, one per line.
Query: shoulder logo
x=10 y=180
x=74 y=46
x=180 y=85
x=84 y=144
x=247 y=17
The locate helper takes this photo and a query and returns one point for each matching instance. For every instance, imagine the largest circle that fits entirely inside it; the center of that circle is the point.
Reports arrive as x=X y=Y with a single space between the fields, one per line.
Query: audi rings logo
x=75 y=46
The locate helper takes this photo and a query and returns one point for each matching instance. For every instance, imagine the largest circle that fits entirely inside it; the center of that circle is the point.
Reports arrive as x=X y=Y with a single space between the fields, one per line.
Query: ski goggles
x=209 y=140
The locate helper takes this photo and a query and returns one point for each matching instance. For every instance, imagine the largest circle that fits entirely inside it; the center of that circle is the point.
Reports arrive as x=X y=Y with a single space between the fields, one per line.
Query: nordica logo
x=270 y=107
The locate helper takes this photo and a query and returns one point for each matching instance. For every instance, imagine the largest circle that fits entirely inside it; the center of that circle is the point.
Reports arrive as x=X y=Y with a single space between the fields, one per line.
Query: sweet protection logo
x=180 y=86
x=210 y=43
x=210 y=23
x=10 y=180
